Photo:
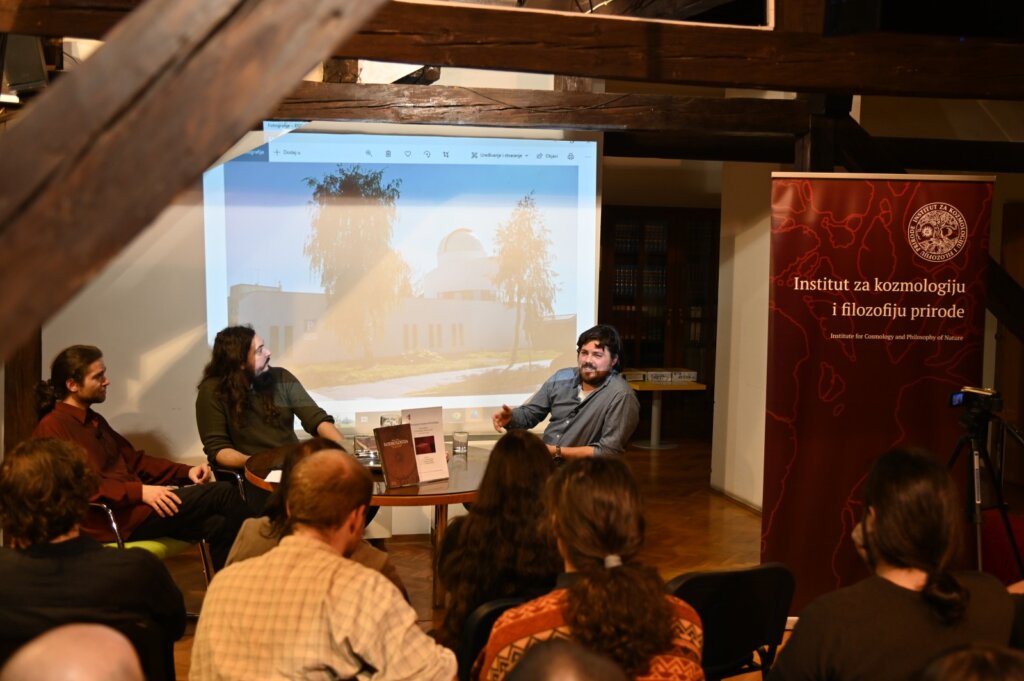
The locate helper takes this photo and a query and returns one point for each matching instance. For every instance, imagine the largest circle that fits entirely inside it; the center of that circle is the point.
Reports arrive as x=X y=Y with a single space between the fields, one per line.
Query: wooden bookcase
x=658 y=286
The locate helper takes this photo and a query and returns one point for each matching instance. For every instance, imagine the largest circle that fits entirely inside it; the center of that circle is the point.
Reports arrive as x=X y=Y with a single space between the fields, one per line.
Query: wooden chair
x=477 y=629
x=743 y=612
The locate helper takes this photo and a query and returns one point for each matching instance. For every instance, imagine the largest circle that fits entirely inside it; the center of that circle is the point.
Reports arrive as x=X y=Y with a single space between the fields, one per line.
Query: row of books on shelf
x=667 y=376
x=653 y=280
x=630 y=238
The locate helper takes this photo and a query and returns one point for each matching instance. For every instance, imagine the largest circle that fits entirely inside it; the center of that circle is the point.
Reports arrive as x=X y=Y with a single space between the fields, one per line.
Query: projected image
x=395 y=284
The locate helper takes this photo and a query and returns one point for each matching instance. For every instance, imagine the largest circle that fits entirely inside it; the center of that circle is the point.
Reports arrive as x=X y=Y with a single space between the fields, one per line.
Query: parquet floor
x=689 y=527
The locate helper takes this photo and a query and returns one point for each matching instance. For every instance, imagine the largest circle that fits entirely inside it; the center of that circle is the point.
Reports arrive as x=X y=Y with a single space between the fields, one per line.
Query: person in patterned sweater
x=606 y=600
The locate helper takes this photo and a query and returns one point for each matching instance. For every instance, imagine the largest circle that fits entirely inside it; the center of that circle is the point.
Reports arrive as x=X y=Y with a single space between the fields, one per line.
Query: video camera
x=977 y=400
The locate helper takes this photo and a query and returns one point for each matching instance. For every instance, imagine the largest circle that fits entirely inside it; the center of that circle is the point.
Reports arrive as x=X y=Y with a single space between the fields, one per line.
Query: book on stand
x=397 y=455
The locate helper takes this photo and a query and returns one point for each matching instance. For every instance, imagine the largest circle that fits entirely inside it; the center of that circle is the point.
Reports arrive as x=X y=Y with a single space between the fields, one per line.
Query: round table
x=460 y=488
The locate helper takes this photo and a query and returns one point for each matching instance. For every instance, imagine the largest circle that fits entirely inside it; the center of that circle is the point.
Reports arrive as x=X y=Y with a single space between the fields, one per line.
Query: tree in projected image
x=524 y=277
x=349 y=247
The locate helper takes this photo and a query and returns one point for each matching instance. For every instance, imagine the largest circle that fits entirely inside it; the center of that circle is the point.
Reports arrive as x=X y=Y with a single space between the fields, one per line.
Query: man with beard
x=593 y=410
x=246 y=406
x=149 y=496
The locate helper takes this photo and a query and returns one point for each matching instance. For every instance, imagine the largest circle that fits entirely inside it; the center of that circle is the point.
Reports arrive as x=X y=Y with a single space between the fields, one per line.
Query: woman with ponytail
x=606 y=600
x=914 y=606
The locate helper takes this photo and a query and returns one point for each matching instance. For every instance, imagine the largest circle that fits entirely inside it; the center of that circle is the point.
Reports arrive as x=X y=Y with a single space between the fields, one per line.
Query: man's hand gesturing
x=500 y=419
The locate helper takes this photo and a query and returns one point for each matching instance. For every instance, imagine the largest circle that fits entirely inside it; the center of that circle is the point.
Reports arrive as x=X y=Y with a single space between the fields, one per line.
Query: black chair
x=477 y=629
x=231 y=475
x=743 y=612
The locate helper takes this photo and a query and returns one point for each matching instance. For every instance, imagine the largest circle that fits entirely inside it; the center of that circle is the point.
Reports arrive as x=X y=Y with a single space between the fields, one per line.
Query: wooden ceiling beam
x=451 y=34
x=541 y=109
x=696 y=146
x=965 y=155
x=519 y=39
x=100 y=154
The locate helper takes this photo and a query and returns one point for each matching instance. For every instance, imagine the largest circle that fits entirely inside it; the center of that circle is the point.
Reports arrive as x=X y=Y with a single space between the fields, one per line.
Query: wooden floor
x=689 y=527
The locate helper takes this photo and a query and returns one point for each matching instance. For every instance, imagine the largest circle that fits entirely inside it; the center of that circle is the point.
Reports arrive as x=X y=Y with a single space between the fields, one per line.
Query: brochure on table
x=428 y=436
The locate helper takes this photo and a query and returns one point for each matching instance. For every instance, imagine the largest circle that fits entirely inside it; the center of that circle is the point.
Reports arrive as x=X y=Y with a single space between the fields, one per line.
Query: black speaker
x=24 y=68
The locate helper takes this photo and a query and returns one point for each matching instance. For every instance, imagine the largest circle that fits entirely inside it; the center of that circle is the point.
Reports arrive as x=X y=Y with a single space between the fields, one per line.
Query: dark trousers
x=213 y=512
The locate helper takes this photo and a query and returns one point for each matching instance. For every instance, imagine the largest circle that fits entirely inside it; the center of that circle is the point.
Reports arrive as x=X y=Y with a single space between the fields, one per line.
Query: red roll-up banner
x=876 y=316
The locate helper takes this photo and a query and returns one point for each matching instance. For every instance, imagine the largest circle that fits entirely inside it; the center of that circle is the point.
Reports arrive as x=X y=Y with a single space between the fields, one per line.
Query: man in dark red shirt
x=150 y=497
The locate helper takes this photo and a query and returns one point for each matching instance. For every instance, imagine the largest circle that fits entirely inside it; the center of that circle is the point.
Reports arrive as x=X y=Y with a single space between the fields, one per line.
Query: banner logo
x=937 y=232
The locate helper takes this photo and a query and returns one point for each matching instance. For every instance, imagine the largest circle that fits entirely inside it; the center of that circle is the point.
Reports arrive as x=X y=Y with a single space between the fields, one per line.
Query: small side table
x=656 y=390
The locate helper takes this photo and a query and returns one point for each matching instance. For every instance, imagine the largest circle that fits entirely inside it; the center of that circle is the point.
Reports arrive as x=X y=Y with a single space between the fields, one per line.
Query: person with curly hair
x=503 y=547
x=56 y=575
x=246 y=406
x=913 y=606
x=607 y=600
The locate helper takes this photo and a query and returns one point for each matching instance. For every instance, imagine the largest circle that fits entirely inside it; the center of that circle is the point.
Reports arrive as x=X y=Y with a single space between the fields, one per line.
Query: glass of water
x=460 y=443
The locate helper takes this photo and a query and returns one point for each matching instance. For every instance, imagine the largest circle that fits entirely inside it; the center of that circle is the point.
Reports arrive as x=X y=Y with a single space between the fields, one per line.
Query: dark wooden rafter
x=672 y=52
x=21 y=374
x=965 y=155
x=98 y=156
x=800 y=16
x=541 y=109
x=698 y=146
x=859 y=152
x=1005 y=299
x=453 y=34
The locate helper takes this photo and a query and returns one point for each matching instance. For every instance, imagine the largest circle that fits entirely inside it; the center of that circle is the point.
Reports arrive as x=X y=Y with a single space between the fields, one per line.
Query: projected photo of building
x=459 y=291
x=383 y=283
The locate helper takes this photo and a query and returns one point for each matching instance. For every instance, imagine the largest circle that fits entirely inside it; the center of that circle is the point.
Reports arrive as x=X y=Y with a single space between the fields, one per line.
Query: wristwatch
x=558 y=454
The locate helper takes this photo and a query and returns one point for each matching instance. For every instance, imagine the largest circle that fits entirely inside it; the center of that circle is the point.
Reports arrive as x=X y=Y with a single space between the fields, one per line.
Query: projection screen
x=392 y=271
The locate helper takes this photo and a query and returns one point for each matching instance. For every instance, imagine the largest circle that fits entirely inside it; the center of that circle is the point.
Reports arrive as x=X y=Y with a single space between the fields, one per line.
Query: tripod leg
x=1002 y=512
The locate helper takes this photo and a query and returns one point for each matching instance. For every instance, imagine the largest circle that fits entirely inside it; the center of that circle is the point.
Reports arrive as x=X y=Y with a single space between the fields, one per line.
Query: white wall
x=737 y=444
x=147 y=312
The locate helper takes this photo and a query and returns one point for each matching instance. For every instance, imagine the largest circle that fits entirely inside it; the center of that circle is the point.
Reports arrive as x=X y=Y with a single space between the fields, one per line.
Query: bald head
x=325 y=488
x=75 y=652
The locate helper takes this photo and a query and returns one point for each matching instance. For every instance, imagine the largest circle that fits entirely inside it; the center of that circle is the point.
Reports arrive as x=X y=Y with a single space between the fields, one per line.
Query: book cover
x=397 y=455
x=428 y=437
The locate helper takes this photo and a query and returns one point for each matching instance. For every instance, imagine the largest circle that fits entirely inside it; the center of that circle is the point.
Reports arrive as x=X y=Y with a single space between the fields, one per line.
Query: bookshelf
x=658 y=286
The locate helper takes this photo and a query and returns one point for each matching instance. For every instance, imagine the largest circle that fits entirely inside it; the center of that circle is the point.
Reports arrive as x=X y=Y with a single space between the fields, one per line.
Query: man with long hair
x=150 y=497
x=304 y=609
x=246 y=406
x=593 y=410
x=56 y=575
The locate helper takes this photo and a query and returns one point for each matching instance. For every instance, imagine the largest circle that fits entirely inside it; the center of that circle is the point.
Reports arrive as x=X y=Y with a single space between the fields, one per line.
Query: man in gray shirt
x=593 y=410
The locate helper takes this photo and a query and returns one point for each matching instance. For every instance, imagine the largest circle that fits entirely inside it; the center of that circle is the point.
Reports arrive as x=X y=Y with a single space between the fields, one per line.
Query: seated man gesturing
x=593 y=410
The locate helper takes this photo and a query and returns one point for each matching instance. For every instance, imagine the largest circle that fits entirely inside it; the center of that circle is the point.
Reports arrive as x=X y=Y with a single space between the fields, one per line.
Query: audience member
x=913 y=606
x=54 y=575
x=979 y=662
x=593 y=410
x=504 y=547
x=562 y=660
x=303 y=609
x=608 y=601
x=259 y=535
x=149 y=496
x=246 y=406
x=75 y=652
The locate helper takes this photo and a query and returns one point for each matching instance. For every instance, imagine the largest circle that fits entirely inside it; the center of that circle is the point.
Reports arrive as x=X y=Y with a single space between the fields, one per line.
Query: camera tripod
x=976 y=425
